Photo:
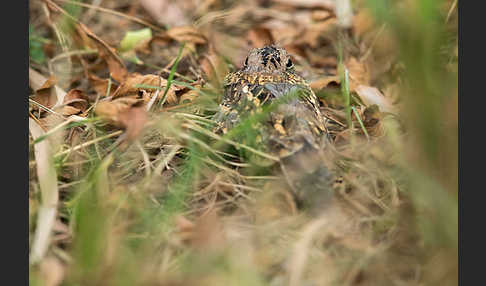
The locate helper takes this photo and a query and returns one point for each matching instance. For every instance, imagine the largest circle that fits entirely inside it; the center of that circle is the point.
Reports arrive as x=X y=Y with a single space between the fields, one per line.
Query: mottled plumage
x=268 y=74
x=293 y=131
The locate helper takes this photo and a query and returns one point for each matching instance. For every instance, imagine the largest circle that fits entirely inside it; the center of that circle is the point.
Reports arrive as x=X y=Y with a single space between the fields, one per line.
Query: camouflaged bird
x=293 y=130
x=268 y=74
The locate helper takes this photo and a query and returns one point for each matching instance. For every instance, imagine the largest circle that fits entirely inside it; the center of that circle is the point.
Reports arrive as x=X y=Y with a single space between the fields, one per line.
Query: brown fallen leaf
x=324 y=82
x=172 y=13
x=115 y=64
x=110 y=110
x=312 y=34
x=190 y=95
x=133 y=119
x=259 y=37
x=125 y=112
x=214 y=68
x=187 y=34
x=129 y=88
x=363 y=22
x=100 y=85
x=75 y=102
x=358 y=73
x=46 y=94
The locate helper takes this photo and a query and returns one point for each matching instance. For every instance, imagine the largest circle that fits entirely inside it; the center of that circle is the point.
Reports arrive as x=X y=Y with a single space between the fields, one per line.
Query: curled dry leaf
x=46 y=94
x=38 y=81
x=75 y=102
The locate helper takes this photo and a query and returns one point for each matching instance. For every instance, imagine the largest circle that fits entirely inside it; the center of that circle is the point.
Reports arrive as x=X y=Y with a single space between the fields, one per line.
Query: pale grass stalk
x=301 y=250
x=148 y=169
x=46 y=172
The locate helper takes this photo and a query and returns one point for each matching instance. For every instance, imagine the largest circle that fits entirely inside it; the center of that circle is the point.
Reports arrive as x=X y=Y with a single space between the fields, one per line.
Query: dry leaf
x=115 y=64
x=171 y=13
x=187 y=34
x=358 y=73
x=74 y=100
x=190 y=95
x=371 y=95
x=259 y=37
x=324 y=82
x=363 y=22
x=70 y=110
x=125 y=112
x=129 y=88
x=133 y=119
x=214 y=68
x=46 y=94
x=111 y=110
x=100 y=85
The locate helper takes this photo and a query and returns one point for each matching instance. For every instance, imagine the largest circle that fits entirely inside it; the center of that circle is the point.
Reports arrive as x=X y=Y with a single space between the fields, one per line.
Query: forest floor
x=129 y=185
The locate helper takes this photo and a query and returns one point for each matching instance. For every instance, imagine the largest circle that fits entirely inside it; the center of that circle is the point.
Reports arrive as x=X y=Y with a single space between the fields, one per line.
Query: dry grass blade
x=46 y=173
x=301 y=250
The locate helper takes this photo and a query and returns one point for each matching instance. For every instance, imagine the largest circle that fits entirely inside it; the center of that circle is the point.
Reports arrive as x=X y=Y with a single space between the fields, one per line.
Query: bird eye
x=289 y=63
x=246 y=61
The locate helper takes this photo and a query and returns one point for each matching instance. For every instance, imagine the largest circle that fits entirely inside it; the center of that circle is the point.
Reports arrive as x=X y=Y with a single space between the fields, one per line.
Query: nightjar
x=267 y=75
x=289 y=123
